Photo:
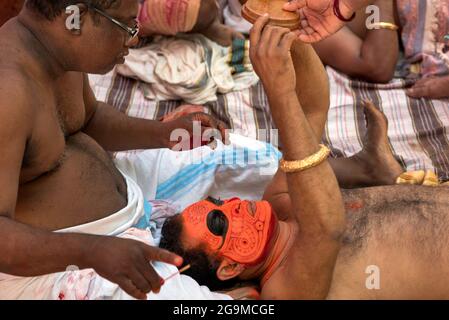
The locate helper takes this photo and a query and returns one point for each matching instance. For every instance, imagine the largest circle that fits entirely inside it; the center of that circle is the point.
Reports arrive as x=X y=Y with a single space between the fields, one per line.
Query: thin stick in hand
x=185 y=268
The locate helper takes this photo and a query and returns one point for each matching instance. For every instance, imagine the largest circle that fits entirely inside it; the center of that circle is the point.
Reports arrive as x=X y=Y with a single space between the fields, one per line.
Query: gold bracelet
x=384 y=25
x=307 y=163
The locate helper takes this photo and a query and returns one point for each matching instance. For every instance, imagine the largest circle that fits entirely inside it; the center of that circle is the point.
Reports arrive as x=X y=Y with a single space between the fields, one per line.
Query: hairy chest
x=60 y=113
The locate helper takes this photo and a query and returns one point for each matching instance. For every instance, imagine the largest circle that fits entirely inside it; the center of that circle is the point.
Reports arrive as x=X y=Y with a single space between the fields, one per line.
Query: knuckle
x=259 y=54
x=146 y=288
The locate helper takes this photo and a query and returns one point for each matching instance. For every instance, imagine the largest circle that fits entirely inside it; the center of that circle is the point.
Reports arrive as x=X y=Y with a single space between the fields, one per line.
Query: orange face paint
x=248 y=233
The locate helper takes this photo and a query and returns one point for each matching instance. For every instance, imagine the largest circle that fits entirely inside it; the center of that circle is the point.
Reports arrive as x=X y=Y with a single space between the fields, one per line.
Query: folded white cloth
x=187 y=67
x=120 y=221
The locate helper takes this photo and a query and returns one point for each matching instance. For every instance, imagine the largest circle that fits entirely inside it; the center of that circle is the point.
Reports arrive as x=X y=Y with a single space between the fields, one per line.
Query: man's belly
x=84 y=188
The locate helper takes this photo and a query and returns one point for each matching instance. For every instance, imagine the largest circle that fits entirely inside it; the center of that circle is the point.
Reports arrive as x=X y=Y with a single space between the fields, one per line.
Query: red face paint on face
x=248 y=233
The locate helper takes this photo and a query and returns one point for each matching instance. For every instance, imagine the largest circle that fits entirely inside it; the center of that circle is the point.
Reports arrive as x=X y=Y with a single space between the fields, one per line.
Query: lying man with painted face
x=55 y=169
x=298 y=242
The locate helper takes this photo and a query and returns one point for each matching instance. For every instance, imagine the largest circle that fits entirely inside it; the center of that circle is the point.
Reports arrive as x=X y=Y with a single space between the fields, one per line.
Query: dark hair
x=217 y=202
x=203 y=267
x=50 y=9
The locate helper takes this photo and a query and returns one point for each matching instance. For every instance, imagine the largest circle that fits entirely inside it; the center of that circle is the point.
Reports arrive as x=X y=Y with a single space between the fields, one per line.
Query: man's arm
x=115 y=131
x=373 y=58
x=312 y=86
x=316 y=199
x=312 y=90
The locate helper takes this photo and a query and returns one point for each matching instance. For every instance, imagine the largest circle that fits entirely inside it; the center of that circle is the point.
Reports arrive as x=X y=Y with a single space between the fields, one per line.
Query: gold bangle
x=384 y=25
x=307 y=163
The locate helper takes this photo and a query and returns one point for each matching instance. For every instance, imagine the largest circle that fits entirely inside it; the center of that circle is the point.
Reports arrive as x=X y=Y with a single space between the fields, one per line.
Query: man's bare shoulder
x=16 y=98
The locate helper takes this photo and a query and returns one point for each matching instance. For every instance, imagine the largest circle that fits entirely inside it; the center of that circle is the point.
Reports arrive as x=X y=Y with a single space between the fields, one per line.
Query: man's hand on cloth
x=431 y=88
x=189 y=131
x=127 y=263
x=271 y=57
x=318 y=19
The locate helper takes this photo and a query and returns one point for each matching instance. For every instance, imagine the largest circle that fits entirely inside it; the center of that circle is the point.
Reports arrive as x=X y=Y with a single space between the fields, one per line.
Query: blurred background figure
x=367 y=54
x=170 y=17
x=9 y=9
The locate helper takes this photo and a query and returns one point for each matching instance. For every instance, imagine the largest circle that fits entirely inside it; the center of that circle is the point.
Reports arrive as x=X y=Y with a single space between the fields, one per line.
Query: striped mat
x=418 y=129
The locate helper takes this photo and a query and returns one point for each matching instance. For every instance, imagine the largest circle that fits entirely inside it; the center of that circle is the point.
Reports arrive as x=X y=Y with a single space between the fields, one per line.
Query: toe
x=373 y=115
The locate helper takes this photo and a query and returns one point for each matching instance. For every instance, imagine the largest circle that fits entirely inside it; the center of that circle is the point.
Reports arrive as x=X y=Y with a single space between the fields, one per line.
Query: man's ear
x=229 y=269
x=75 y=16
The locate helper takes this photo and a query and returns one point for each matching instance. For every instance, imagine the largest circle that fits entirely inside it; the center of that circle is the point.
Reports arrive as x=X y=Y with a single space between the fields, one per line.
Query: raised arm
x=316 y=199
x=312 y=90
x=372 y=58
x=115 y=131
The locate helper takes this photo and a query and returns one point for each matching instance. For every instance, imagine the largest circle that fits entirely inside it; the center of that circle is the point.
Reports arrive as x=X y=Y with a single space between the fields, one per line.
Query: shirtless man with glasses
x=54 y=136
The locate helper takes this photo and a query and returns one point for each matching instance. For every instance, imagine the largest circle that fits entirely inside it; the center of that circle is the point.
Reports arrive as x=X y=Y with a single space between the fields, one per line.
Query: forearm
x=27 y=252
x=312 y=90
x=356 y=4
x=312 y=86
x=115 y=131
x=315 y=195
x=380 y=49
x=317 y=207
x=372 y=58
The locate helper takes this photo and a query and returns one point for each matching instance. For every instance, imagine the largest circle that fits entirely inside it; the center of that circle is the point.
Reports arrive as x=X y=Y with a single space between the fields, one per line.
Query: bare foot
x=376 y=156
x=221 y=34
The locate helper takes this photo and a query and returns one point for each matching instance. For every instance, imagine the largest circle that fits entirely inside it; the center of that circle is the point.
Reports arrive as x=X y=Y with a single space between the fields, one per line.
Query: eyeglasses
x=132 y=32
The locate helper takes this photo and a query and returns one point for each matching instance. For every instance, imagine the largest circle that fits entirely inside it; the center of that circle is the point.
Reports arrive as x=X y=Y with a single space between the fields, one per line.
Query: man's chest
x=69 y=104
x=60 y=113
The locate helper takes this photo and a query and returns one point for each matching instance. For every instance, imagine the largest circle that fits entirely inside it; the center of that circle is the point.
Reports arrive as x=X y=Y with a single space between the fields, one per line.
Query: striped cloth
x=424 y=26
x=418 y=129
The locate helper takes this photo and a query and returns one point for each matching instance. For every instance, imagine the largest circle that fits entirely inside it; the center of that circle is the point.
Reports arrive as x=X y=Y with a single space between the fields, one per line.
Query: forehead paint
x=248 y=233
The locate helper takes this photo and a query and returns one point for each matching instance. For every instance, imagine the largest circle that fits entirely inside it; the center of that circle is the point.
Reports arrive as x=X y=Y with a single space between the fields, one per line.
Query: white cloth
x=87 y=284
x=232 y=14
x=241 y=169
x=120 y=221
x=187 y=67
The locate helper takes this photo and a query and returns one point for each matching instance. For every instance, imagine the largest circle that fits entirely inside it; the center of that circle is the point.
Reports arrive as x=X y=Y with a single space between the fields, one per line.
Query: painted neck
x=279 y=248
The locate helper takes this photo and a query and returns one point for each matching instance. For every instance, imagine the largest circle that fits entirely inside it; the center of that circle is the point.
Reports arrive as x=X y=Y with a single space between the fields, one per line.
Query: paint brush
x=183 y=269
